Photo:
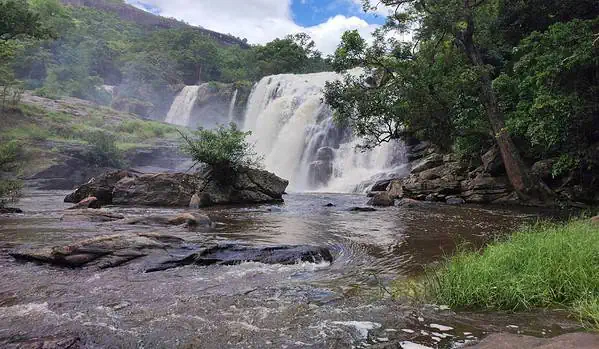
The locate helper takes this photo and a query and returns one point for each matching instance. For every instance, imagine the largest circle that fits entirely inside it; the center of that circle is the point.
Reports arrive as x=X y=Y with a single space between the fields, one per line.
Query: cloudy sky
x=261 y=21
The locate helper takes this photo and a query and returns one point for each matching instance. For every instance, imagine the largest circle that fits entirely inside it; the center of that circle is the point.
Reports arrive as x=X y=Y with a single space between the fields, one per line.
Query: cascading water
x=232 y=106
x=295 y=132
x=180 y=111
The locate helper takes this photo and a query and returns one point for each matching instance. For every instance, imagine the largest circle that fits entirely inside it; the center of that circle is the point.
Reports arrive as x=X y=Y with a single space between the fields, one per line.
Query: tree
x=17 y=19
x=468 y=23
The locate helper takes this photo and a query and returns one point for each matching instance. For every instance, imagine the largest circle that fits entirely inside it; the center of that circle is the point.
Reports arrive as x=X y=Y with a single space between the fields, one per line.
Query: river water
x=340 y=305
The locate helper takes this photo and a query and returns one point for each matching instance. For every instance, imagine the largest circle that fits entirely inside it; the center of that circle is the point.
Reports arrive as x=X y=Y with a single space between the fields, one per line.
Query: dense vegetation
x=520 y=74
x=85 y=48
x=542 y=266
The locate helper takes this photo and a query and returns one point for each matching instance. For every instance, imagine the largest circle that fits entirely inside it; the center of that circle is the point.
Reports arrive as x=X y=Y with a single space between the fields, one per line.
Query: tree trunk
x=519 y=176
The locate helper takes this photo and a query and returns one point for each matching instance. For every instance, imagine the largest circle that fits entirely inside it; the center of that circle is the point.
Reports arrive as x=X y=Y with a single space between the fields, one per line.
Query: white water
x=290 y=123
x=180 y=111
x=232 y=106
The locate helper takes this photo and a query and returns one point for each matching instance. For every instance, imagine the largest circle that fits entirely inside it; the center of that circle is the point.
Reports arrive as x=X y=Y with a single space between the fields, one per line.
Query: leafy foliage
x=10 y=188
x=224 y=149
x=103 y=152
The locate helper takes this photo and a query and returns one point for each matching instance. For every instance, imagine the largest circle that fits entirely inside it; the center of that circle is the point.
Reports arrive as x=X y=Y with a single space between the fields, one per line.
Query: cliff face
x=131 y=13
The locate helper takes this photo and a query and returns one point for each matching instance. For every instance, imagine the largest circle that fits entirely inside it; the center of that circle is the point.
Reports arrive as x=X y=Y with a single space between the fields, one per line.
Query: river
x=339 y=305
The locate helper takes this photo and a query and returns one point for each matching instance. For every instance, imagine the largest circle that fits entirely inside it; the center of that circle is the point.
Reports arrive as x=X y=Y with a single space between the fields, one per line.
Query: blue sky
x=261 y=21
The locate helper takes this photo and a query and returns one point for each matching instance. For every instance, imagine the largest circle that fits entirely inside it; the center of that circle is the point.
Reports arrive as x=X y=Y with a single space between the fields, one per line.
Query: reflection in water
x=248 y=305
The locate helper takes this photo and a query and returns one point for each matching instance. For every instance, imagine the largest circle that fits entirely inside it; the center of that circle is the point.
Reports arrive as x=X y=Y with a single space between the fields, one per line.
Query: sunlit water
x=252 y=305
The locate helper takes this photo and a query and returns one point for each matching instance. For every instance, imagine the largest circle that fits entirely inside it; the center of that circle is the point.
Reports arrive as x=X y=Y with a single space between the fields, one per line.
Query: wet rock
x=325 y=154
x=454 y=201
x=362 y=209
x=102 y=252
x=163 y=252
x=382 y=199
x=100 y=187
x=512 y=341
x=330 y=204
x=10 y=210
x=195 y=201
x=381 y=186
x=409 y=203
x=395 y=188
x=191 y=219
x=46 y=343
x=93 y=215
x=320 y=172
x=230 y=254
x=90 y=202
x=163 y=189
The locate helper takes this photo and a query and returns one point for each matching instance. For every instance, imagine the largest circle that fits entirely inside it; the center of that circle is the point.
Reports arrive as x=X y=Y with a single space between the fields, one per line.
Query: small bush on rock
x=104 y=151
x=224 y=149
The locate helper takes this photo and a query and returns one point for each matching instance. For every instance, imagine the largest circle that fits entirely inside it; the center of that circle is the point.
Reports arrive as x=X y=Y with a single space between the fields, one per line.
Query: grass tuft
x=542 y=266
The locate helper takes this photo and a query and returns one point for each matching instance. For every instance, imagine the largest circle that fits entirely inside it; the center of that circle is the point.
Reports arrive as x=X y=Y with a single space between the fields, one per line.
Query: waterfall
x=232 y=106
x=295 y=132
x=180 y=112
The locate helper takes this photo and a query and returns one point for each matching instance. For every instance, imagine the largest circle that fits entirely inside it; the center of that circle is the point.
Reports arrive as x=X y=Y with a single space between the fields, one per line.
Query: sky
x=261 y=21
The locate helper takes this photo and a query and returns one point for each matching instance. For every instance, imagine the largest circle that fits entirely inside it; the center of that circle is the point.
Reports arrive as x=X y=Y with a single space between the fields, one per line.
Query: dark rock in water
x=330 y=204
x=325 y=154
x=381 y=185
x=513 y=341
x=362 y=209
x=45 y=343
x=249 y=186
x=115 y=250
x=93 y=215
x=191 y=219
x=100 y=187
x=10 y=210
x=231 y=254
x=320 y=172
x=90 y=202
x=195 y=201
x=382 y=199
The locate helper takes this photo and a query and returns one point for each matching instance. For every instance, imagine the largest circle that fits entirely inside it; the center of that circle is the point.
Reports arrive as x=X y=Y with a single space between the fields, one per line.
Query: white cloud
x=259 y=21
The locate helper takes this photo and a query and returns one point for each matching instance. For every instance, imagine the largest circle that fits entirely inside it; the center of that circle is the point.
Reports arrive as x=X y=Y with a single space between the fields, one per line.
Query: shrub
x=224 y=149
x=104 y=151
x=10 y=188
x=542 y=266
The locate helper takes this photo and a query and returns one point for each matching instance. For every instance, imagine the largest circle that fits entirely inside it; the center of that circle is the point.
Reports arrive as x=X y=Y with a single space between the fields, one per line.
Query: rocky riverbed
x=337 y=301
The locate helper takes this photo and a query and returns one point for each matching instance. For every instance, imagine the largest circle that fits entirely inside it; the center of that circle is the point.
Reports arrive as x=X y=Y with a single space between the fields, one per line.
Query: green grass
x=541 y=266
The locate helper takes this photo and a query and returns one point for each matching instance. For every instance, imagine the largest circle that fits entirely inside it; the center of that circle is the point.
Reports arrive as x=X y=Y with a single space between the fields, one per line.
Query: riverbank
x=545 y=265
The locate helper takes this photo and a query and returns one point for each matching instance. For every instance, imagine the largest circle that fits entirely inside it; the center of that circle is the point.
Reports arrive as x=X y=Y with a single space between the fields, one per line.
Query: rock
x=191 y=219
x=381 y=186
x=195 y=202
x=409 y=203
x=512 y=341
x=362 y=209
x=320 y=172
x=93 y=215
x=382 y=199
x=46 y=343
x=492 y=162
x=418 y=150
x=485 y=189
x=325 y=154
x=431 y=161
x=455 y=201
x=431 y=198
x=162 y=252
x=395 y=189
x=595 y=220
x=10 y=210
x=330 y=204
x=230 y=254
x=100 y=187
x=162 y=189
x=90 y=202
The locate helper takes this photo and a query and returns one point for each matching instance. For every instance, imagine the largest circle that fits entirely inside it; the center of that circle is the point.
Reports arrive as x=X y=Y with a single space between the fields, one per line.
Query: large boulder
x=162 y=189
x=100 y=187
x=320 y=172
x=492 y=162
x=382 y=199
x=249 y=186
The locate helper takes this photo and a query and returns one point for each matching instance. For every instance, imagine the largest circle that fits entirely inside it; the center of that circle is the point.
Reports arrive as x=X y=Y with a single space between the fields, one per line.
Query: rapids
x=339 y=305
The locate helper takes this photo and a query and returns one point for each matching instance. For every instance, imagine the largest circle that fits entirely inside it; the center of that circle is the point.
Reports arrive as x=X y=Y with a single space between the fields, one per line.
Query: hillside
x=131 y=13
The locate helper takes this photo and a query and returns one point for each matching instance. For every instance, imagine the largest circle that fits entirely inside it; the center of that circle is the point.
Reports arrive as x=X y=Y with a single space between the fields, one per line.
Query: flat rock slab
x=162 y=252
x=512 y=341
